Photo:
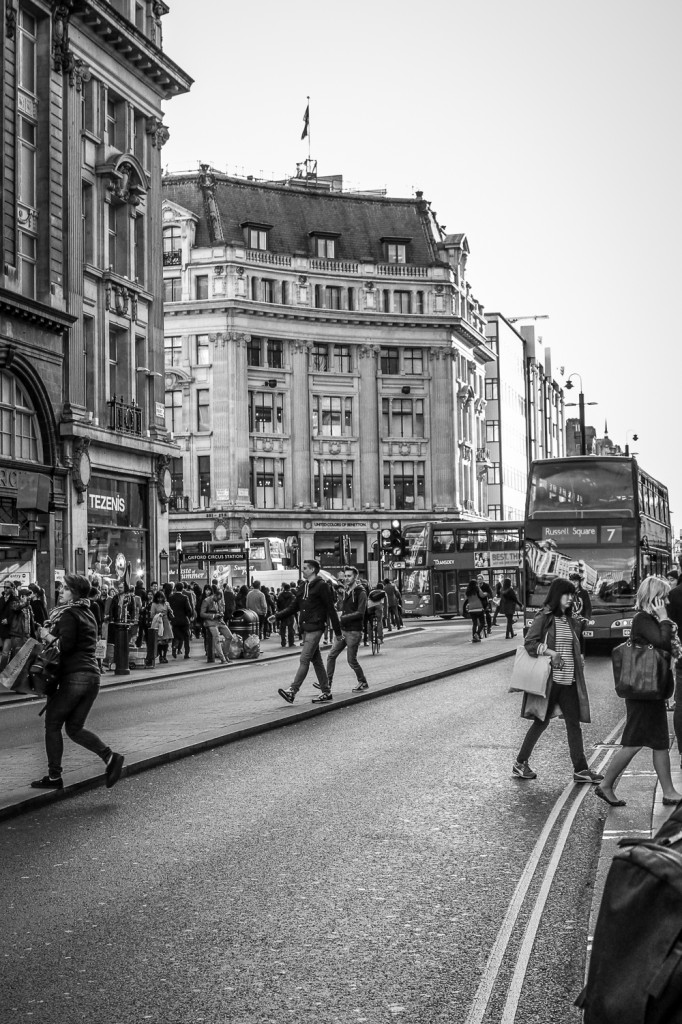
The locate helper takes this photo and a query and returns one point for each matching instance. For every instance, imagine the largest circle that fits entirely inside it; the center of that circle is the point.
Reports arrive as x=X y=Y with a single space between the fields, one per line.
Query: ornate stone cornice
x=10 y=20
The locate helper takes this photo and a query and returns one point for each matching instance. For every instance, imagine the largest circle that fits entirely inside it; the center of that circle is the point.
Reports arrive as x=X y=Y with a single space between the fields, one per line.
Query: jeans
x=310 y=655
x=477 y=624
x=70 y=707
x=380 y=622
x=351 y=641
x=395 y=617
x=510 y=626
x=218 y=630
x=567 y=699
x=286 y=631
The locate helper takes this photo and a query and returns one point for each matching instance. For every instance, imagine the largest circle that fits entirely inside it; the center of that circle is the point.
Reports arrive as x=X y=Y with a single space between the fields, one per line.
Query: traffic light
x=397 y=542
x=337 y=550
x=386 y=542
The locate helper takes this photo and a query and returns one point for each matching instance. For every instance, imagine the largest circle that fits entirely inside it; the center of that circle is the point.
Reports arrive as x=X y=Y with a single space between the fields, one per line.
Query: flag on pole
x=306 y=119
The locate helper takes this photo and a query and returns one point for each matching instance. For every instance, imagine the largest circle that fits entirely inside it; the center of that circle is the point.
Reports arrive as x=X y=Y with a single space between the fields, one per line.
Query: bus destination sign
x=578 y=534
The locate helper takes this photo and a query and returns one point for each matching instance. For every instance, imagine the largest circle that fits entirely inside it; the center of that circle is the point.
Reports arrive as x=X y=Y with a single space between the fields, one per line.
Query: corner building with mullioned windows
x=324 y=364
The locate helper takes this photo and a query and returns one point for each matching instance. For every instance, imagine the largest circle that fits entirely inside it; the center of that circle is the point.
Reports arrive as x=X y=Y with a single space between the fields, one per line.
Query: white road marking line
x=488 y=980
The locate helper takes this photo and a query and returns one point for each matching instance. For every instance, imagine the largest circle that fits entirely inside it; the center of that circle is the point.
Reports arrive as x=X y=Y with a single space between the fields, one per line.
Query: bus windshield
x=572 y=486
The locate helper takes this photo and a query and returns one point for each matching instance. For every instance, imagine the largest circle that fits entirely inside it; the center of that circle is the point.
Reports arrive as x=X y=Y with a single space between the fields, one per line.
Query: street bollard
x=152 y=639
x=121 y=649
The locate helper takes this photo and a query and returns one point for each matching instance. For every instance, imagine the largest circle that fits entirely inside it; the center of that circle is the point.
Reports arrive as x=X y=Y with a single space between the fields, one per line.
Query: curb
x=87 y=780
x=143 y=675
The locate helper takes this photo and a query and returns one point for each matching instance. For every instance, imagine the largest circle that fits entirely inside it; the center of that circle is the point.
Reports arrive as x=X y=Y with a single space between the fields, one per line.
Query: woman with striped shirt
x=555 y=633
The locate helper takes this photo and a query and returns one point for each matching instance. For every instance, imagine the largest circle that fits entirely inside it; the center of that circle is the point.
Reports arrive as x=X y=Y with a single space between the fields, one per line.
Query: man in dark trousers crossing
x=315 y=604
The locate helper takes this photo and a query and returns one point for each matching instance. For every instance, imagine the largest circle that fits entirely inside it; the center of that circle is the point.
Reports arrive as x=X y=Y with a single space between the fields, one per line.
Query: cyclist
x=376 y=608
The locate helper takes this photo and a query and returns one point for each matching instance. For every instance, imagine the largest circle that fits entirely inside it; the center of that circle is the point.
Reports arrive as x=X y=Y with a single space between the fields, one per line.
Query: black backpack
x=635 y=974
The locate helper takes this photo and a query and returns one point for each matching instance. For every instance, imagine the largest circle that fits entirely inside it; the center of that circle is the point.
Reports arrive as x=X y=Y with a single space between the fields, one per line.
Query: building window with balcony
x=332 y=416
x=172 y=289
x=172 y=351
x=402 y=302
x=492 y=431
x=402 y=417
x=172 y=253
x=267 y=482
x=404 y=486
x=325 y=248
x=203 y=350
x=113 y=362
x=390 y=360
x=319 y=358
x=266 y=412
x=174 y=412
x=201 y=286
x=333 y=484
x=396 y=252
x=413 y=360
x=19 y=432
x=204 y=475
x=203 y=409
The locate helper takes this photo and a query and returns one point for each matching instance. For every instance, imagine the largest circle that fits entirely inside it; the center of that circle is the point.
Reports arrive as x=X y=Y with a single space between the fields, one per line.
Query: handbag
x=101 y=650
x=642 y=672
x=15 y=675
x=45 y=671
x=532 y=675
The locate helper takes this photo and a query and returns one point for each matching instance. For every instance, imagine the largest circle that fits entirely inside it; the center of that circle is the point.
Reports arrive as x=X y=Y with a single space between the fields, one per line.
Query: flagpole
x=308 y=129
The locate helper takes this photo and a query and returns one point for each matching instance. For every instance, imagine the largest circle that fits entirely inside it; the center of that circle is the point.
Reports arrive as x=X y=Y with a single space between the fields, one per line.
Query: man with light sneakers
x=352 y=609
x=315 y=604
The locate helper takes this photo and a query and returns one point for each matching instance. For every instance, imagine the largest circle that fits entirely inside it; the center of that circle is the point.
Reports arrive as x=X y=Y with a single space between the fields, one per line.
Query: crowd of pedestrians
x=483 y=607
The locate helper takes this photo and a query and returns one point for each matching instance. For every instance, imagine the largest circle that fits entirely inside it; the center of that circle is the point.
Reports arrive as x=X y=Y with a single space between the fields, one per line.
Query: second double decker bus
x=444 y=555
x=603 y=518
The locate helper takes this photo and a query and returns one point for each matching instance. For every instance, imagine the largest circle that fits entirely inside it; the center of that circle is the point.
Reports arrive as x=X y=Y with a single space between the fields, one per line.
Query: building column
x=300 y=425
x=444 y=454
x=369 y=476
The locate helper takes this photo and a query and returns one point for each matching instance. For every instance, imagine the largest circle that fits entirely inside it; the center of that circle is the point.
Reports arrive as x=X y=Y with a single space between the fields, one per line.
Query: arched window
x=19 y=433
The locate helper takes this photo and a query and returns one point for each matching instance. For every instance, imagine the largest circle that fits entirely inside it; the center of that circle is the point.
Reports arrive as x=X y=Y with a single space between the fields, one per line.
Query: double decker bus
x=444 y=555
x=603 y=518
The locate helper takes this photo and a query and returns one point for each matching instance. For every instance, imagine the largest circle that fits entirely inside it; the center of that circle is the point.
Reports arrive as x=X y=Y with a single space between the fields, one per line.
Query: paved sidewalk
x=206 y=706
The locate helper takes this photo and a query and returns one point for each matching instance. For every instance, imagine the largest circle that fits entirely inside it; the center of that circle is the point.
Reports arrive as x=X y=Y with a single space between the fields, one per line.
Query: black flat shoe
x=47 y=783
x=602 y=796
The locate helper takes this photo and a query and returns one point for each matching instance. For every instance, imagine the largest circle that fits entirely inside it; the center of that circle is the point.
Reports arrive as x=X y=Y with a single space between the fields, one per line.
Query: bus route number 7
x=612 y=534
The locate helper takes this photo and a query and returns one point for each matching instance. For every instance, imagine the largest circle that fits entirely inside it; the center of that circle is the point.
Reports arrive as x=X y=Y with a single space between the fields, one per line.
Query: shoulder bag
x=642 y=672
x=531 y=675
x=45 y=671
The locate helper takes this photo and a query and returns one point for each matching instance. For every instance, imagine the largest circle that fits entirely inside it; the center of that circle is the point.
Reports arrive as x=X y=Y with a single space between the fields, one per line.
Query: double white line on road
x=491 y=971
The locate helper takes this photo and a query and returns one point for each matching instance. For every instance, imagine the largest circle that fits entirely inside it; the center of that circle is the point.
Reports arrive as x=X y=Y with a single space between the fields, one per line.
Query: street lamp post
x=635 y=437
x=581 y=409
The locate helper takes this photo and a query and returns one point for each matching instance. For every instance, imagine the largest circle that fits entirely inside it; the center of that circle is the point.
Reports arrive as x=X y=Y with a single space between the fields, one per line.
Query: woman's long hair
x=556 y=591
x=472 y=588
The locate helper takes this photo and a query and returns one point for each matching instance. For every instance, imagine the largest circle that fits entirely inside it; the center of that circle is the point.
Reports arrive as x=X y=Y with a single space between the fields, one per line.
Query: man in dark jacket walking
x=182 y=619
x=315 y=603
x=353 y=606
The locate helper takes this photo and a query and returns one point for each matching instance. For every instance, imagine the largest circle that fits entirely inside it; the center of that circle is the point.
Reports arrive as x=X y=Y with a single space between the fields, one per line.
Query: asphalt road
x=354 y=867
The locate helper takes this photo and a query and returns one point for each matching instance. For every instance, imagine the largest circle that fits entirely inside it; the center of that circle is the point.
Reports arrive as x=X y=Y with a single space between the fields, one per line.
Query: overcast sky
x=548 y=132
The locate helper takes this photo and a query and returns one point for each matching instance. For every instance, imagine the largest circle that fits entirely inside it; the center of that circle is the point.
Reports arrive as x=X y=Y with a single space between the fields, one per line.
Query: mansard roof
x=359 y=221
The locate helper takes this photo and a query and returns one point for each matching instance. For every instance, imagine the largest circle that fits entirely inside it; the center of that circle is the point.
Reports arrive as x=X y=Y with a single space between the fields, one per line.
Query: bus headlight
x=621 y=623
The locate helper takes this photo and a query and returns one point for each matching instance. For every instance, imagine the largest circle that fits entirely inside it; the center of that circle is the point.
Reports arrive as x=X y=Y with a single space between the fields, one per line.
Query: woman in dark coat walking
x=475 y=604
x=647 y=723
x=556 y=634
x=508 y=605
x=78 y=687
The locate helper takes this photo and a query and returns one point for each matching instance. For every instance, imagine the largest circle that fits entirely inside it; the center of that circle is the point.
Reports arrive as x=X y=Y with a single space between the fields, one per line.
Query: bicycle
x=377 y=640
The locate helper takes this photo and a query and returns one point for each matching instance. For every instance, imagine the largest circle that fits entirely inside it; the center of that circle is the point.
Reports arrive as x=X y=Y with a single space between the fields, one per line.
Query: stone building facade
x=325 y=363
x=83 y=446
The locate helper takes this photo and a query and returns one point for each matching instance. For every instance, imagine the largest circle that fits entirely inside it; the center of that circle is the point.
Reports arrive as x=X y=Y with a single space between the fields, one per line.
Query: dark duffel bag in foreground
x=635 y=973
